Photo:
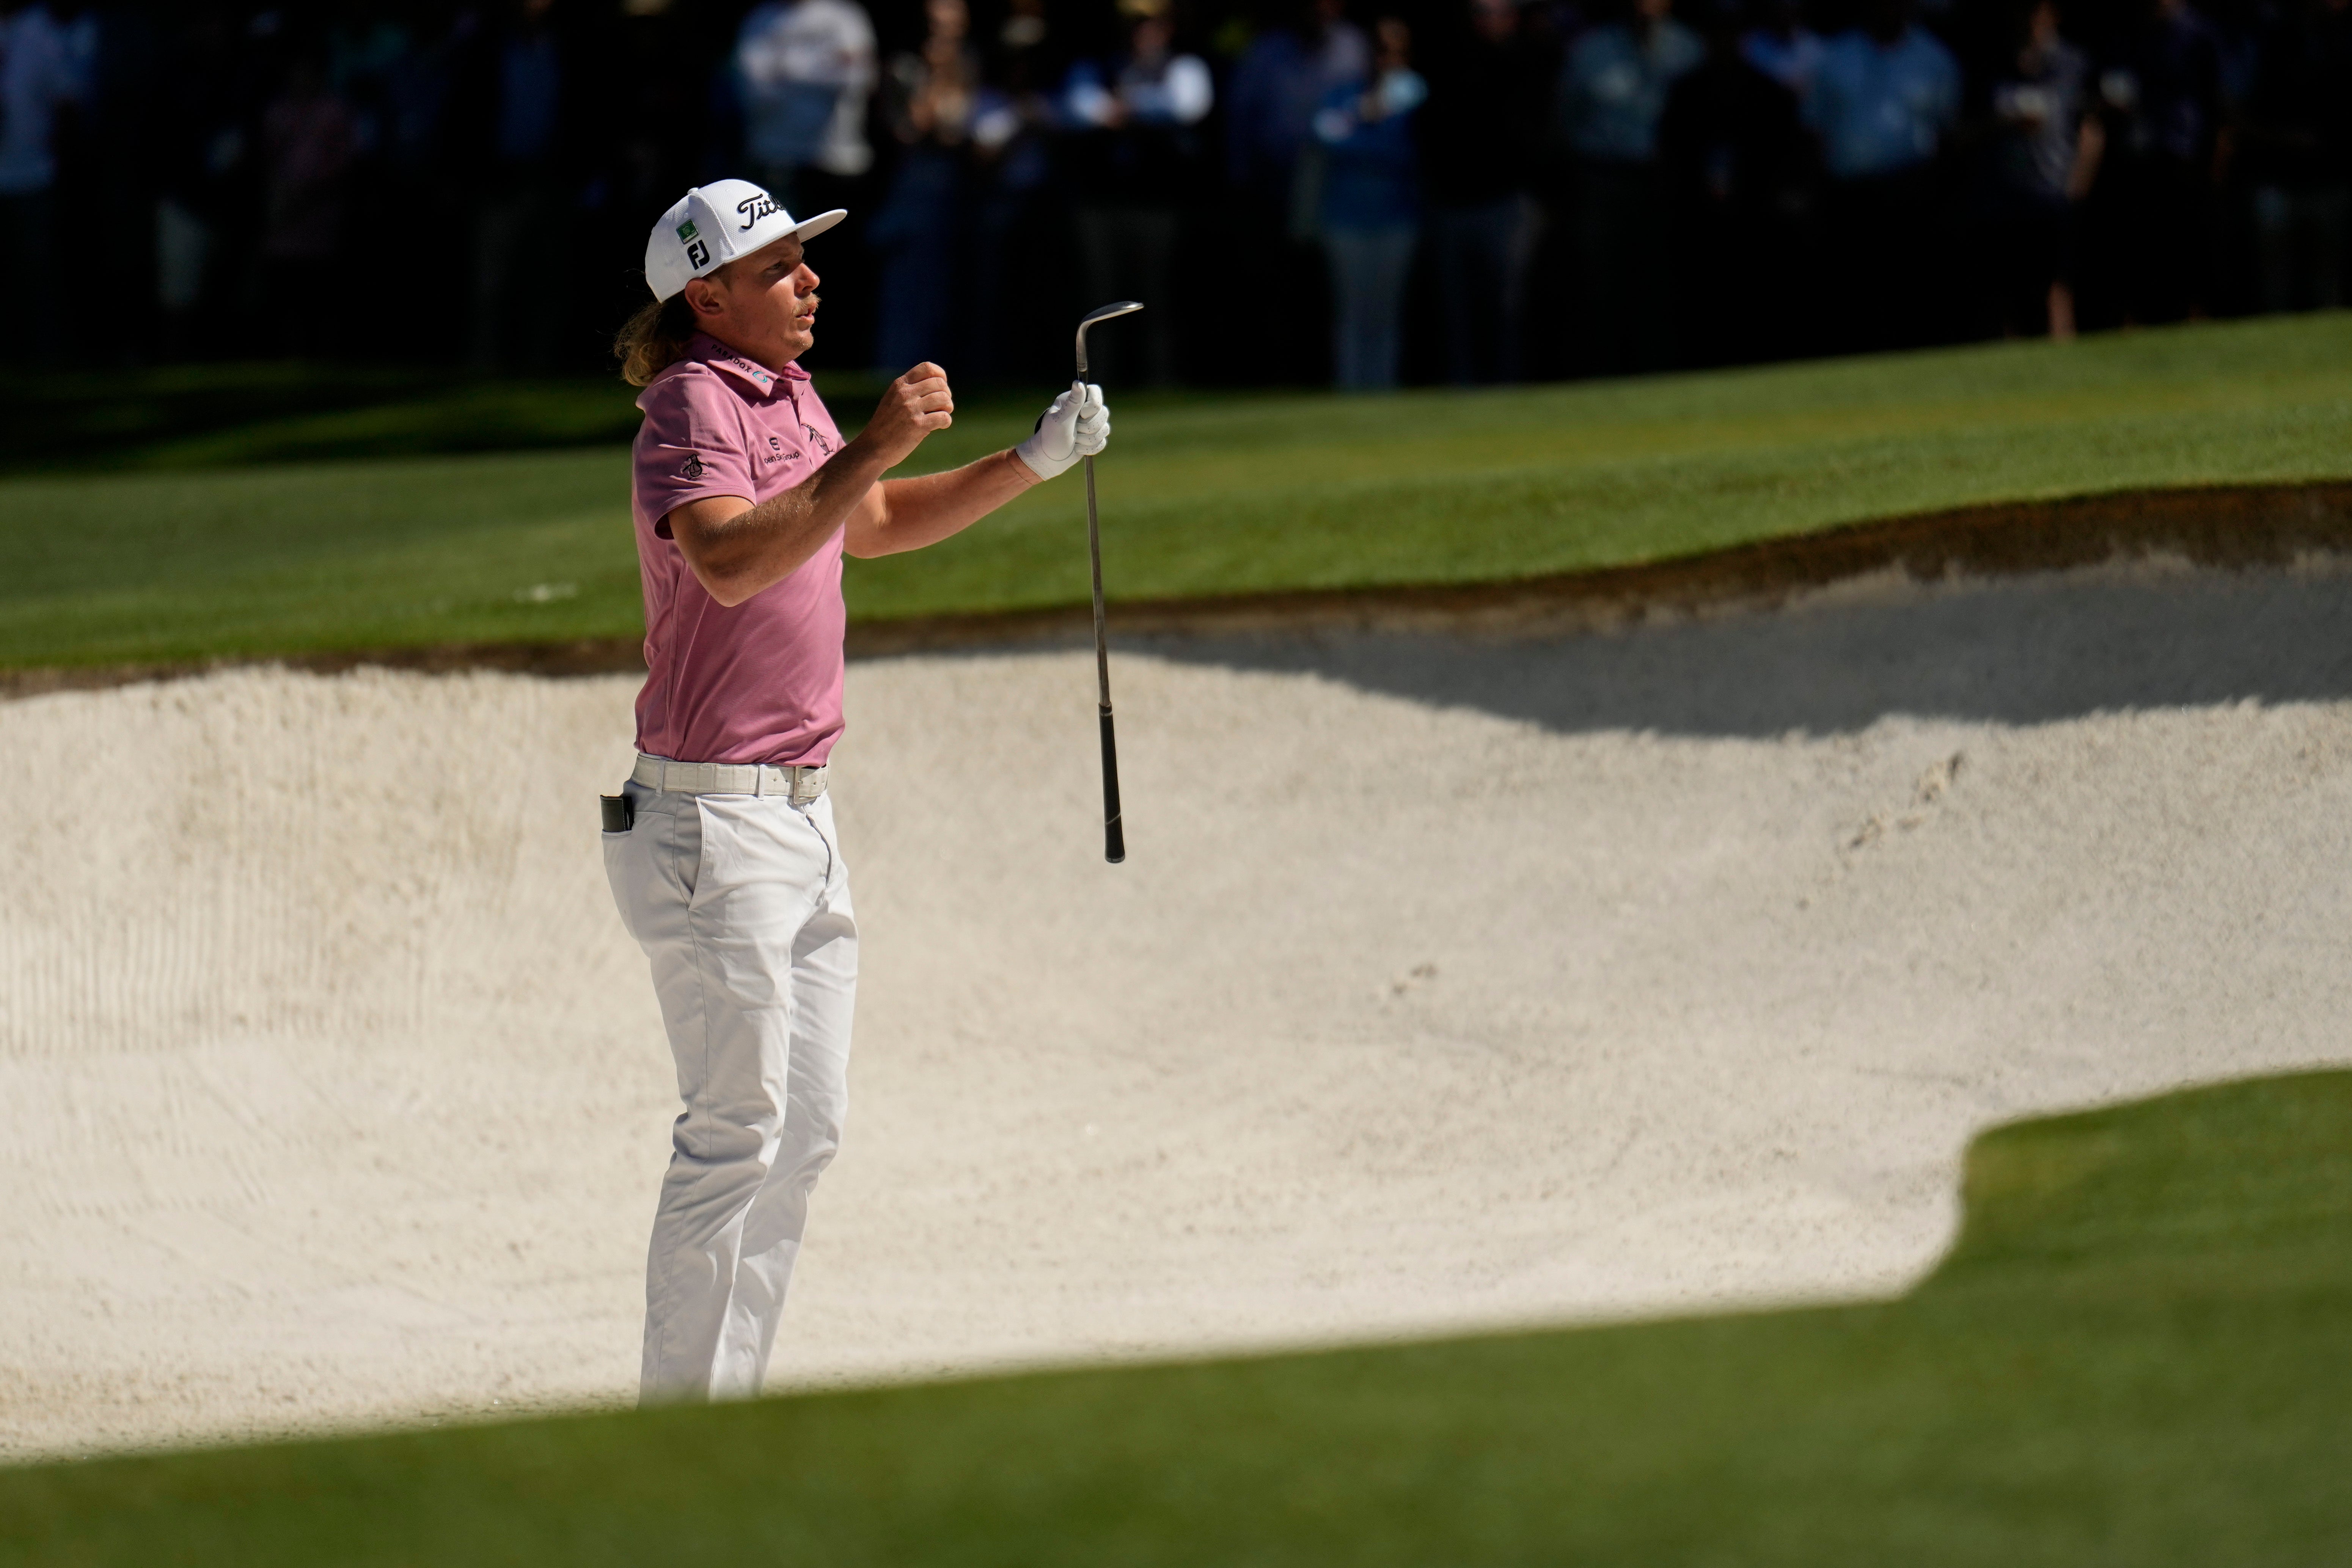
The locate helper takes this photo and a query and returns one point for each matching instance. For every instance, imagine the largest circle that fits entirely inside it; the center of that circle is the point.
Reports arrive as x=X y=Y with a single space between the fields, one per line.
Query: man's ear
x=703 y=298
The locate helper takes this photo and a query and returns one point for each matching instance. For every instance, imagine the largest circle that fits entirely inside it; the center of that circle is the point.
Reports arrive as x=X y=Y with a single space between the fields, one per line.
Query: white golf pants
x=741 y=904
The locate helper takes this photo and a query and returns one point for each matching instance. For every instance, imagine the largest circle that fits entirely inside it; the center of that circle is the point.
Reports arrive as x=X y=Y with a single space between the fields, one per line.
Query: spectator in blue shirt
x=39 y=76
x=1371 y=210
x=932 y=98
x=1883 y=98
x=1613 y=86
x=1281 y=78
x=1135 y=154
x=1612 y=92
x=1784 y=48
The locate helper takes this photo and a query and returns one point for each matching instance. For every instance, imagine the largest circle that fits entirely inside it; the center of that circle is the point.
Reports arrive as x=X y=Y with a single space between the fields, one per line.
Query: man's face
x=763 y=304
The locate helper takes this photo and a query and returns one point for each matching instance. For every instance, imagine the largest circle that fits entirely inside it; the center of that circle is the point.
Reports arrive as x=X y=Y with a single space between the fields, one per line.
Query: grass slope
x=216 y=415
x=2139 y=1353
x=1203 y=494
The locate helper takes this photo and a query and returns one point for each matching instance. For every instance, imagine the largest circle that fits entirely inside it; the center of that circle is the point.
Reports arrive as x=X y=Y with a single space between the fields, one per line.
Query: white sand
x=1446 y=984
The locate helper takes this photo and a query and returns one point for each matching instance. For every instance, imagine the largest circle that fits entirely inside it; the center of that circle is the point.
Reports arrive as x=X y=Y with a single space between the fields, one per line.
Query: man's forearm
x=924 y=511
x=761 y=546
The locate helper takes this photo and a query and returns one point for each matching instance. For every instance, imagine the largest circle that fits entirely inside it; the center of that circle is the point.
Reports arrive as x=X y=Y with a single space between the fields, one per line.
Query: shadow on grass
x=203 y=416
x=2139 y=1353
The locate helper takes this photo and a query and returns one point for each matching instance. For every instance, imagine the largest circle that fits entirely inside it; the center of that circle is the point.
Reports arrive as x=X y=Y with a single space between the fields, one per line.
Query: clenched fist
x=912 y=407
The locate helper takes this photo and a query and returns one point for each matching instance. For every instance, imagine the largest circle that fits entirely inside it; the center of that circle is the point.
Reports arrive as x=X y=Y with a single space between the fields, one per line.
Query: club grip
x=1114 y=836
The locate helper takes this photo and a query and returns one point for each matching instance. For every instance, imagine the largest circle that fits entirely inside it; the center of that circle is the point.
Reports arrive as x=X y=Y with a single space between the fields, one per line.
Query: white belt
x=803 y=784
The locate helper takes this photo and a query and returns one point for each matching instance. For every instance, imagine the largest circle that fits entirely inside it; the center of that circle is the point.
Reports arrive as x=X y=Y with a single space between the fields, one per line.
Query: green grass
x=2139 y=1354
x=1202 y=495
x=210 y=416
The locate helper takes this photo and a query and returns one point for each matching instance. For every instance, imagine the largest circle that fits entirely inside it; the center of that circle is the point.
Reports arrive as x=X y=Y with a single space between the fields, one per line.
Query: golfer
x=721 y=847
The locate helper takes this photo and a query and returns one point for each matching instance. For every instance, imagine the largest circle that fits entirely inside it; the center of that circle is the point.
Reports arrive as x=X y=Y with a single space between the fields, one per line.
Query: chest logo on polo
x=694 y=467
x=778 y=451
x=817 y=440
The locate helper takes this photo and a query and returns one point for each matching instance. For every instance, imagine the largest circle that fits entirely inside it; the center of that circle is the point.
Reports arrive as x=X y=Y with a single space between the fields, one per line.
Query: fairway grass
x=1200 y=495
x=2138 y=1353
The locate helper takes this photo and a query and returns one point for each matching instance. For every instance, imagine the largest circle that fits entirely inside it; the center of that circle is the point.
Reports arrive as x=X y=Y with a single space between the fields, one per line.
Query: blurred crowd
x=1355 y=192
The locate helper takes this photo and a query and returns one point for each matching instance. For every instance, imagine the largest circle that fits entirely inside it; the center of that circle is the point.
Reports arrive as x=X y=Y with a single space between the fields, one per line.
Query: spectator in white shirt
x=805 y=69
x=804 y=72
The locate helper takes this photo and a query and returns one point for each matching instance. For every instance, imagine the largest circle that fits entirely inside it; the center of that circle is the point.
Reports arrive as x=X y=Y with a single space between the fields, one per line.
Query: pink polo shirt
x=760 y=682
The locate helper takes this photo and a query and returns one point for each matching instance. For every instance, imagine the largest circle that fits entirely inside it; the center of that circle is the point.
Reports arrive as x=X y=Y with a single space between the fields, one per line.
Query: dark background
x=334 y=171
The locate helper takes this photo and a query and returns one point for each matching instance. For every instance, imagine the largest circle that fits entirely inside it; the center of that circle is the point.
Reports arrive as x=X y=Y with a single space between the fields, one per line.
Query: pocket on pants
x=653 y=866
x=625 y=873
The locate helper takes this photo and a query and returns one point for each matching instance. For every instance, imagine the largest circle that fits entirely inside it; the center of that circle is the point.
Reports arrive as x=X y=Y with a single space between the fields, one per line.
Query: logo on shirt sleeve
x=694 y=467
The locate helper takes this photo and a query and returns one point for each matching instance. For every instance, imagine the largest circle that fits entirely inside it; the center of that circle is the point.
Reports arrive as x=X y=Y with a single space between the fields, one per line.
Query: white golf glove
x=1076 y=425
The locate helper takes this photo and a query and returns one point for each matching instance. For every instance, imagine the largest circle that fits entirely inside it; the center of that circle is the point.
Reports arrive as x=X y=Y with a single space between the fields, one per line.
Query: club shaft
x=1094 y=558
x=1114 y=830
x=1114 y=834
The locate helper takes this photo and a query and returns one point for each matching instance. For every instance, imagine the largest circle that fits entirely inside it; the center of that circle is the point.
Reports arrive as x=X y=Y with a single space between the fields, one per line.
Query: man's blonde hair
x=655 y=338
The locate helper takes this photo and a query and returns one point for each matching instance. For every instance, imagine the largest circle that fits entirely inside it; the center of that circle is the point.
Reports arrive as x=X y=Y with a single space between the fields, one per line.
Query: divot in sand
x=1448 y=984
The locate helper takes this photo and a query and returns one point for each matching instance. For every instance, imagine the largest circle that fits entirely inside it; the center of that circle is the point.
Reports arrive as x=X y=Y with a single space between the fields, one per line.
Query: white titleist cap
x=713 y=225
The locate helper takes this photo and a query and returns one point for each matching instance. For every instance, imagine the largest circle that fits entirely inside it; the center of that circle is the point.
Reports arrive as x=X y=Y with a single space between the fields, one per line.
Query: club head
x=1124 y=308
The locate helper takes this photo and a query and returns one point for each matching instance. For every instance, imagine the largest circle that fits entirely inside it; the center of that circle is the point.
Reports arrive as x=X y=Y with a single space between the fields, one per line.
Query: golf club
x=1114 y=836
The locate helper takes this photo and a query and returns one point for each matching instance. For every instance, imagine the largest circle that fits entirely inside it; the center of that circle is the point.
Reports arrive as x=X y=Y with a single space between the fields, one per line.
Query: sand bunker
x=1448 y=984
